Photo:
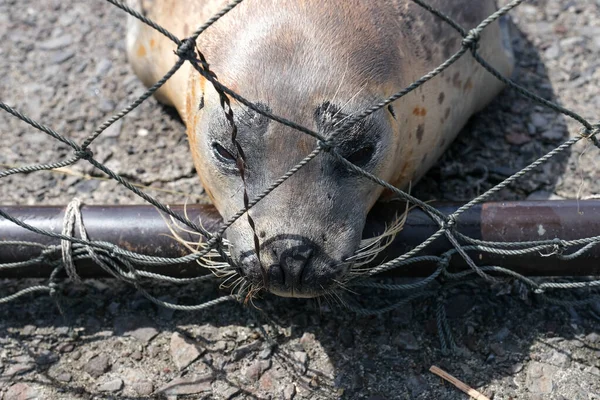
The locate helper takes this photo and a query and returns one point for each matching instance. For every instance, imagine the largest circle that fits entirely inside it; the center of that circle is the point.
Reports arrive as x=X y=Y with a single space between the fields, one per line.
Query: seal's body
x=316 y=63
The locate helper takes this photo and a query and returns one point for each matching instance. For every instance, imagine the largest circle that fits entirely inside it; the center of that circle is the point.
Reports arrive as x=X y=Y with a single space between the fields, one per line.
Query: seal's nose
x=293 y=260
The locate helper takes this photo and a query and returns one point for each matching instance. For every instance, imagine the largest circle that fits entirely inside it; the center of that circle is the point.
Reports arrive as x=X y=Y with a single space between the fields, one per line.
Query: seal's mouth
x=295 y=267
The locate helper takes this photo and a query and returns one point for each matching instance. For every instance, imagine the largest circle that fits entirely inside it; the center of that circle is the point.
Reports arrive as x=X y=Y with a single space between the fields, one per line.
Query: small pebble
x=183 y=351
x=111 y=386
x=97 y=365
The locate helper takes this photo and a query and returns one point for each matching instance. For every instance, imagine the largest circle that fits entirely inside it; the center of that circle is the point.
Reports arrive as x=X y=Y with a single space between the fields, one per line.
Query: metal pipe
x=141 y=228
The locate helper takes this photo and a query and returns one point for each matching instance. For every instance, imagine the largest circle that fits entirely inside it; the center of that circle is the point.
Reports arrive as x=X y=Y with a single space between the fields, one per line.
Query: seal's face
x=309 y=225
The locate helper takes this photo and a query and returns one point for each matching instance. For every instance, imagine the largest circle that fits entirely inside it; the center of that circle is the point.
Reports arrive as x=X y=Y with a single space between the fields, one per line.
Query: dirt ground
x=63 y=63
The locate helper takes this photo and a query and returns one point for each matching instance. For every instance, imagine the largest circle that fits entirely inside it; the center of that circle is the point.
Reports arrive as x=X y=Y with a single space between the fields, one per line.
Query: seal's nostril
x=294 y=262
x=276 y=273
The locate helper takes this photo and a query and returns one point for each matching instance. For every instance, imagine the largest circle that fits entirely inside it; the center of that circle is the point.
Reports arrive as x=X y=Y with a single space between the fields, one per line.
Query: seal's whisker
x=242 y=288
x=340 y=300
x=239 y=284
x=359 y=272
x=372 y=247
x=329 y=298
x=345 y=104
x=343 y=285
x=332 y=101
x=227 y=283
x=220 y=269
x=253 y=290
x=341 y=109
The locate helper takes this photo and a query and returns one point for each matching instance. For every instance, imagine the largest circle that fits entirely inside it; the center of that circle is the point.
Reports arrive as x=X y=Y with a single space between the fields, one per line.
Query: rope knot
x=449 y=223
x=53 y=286
x=591 y=134
x=558 y=247
x=325 y=145
x=444 y=260
x=84 y=154
x=472 y=39
x=186 y=49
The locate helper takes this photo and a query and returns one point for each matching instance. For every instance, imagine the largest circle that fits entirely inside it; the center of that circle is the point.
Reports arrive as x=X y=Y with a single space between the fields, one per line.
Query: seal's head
x=313 y=222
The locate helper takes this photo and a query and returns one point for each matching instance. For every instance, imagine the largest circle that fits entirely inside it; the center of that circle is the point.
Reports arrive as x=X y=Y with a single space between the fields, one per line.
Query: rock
x=191 y=384
x=114 y=130
x=46 y=357
x=143 y=388
x=417 y=385
x=596 y=307
x=63 y=330
x=111 y=386
x=552 y=52
x=97 y=365
x=539 y=120
x=103 y=67
x=219 y=346
x=56 y=43
x=183 y=351
x=572 y=41
x=405 y=341
x=136 y=379
x=21 y=391
x=597 y=42
x=268 y=383
x=137 y=355
x=593 y=338
x=593 y=371
x=61 y=56
x=539 y=378
x=501 y=334
x=18 y=369
x=302 y=359
x=142 y=132
x=256 y=369
x=87 y=186
x=266 y=353
x=497 y=349
x=28 y=330
x=225 y=390
x=106 y=105
x=243 y=351
x=289 y=392
x=516 y=368
x=141 y=328
x=517 y=138
x=558 y=359
x=307 y=340
x=64 y=377
x=554 y=133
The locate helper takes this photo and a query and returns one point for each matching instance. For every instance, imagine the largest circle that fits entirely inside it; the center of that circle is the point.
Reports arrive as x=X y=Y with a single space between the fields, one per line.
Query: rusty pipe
x=141 y=228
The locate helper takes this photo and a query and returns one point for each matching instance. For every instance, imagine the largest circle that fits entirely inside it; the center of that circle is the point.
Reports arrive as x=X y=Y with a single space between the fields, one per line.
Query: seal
x=316 y=63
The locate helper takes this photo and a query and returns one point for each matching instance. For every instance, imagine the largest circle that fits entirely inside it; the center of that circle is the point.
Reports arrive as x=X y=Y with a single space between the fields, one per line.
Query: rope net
x=129 y=266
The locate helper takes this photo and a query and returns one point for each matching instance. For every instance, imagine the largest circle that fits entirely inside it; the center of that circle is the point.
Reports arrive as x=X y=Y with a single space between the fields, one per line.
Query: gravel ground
x=63 y=63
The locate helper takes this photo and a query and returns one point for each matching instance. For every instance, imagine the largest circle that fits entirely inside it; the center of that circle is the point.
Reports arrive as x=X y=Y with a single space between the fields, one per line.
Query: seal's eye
x=223 y=154
x=362 y=156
